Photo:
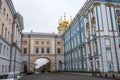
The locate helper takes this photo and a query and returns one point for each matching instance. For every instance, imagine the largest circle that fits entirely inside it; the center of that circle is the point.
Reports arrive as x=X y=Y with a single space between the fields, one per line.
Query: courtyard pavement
x=60 y=76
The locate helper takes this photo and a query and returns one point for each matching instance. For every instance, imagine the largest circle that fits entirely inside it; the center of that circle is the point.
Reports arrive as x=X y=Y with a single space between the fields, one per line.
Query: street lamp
x=15 y=44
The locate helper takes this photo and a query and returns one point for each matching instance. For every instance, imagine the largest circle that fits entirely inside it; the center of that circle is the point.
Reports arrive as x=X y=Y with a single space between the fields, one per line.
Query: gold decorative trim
x=112 y=31
x=87 y=25
x=118 y=18
x=100 y=31
x=97 y=4
x=109 y=5
x=117 y=6
x=93 y=20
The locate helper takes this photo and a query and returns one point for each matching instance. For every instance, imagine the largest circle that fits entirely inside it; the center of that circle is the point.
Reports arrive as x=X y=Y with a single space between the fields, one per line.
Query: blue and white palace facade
x=92 y=41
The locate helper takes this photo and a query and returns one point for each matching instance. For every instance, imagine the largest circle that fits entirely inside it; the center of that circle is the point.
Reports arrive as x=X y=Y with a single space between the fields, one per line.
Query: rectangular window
x=48 y=50
x=48 y=42
x=98 y=64
x=8 y=35
x=109 y=55
x=37 y=50
x=0 y=47
x=6 y=68
x=4 y=50
x=119 y=26
x=4 y=10
x=2 y=68
x=5 y=33
x=58 y=50
x=37 y=42
x=2 y=30
x=25 y=50
x=7 y=16
x=42 y=50
x=118 y=12
x=58 y=43
x=42 y=42
x=107 y=42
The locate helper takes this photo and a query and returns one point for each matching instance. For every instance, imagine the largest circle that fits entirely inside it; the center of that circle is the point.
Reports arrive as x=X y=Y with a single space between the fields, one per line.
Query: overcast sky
x=43 y=15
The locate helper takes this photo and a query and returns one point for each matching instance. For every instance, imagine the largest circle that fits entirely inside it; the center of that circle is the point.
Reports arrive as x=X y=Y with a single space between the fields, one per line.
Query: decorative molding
x=87 y=25
x=93 y=20
x=100 y=31
x=112 y=31
x=117 y=6
x=97 y=4
x=109 y=5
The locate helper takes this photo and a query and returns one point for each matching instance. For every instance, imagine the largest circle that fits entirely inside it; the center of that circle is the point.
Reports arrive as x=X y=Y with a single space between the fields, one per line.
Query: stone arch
x=47 y=67
x=60 y=65
x=24 y=65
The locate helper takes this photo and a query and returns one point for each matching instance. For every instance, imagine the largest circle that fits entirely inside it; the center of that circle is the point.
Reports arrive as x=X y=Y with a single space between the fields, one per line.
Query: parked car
x=10 y=76
x=18 y=74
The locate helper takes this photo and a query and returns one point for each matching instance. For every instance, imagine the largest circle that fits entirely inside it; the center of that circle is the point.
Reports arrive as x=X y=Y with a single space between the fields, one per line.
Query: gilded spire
x=60 y=18
x=63 y=24
x=64 y=16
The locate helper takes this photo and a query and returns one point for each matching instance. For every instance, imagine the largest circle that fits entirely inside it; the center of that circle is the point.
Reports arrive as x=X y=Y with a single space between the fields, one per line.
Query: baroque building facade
x=42 y=45
x=92 y=40
x=11 y=26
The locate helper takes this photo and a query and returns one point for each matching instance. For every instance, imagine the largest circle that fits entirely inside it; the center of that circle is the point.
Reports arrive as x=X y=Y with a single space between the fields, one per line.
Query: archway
x=24 y=64
x=42 y=65
x=60 y=65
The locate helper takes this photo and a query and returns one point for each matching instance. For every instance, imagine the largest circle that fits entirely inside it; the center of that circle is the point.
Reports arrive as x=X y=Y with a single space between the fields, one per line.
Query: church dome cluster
x=63 y=24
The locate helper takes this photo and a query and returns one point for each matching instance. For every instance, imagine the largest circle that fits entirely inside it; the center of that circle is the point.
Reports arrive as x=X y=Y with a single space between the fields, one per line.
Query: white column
x=53 y=46
x=104 y=19
x=32 y=46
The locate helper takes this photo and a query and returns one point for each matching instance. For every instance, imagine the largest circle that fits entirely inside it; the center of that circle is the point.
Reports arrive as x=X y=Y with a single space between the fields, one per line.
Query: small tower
x=63 y=24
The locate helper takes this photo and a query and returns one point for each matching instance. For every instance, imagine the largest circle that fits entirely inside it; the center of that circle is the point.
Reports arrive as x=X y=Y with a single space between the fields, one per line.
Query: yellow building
x=43 y=45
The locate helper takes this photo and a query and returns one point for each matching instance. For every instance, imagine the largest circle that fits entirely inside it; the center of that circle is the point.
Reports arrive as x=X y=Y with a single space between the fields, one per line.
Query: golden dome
x=63 y=24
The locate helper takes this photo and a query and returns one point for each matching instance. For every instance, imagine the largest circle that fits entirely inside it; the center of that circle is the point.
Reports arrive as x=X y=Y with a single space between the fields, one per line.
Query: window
x=37 y=42
x=0 y=47
x=42 y=50
x=107 y=42
x=5 y=33
x=98 y=64
x=48 y=50
x=109 y=55
x=25 y=50
x=118 y=12
x=7 y=16
x=119 y=26
x=7 y=52
x=48 y=42
x=2 y=30
x=2 y=68
x=8 y=35
x=6 y=68
x=58 y=43
x=4 y=50
x=59 y=50
x=4 y=10
x=42 y=42
x=37 y=50
x=9 y=21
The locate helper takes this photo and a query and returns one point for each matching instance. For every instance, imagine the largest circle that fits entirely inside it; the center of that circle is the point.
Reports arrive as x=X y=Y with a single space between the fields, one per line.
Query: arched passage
x=42 y=64
x=24 y=65
x=60 y=65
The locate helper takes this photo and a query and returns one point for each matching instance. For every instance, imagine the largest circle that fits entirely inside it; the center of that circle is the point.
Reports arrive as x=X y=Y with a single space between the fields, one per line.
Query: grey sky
x=43 y=15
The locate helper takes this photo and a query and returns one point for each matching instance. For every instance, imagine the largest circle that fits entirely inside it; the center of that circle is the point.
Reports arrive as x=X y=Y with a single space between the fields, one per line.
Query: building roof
x=41 y=34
